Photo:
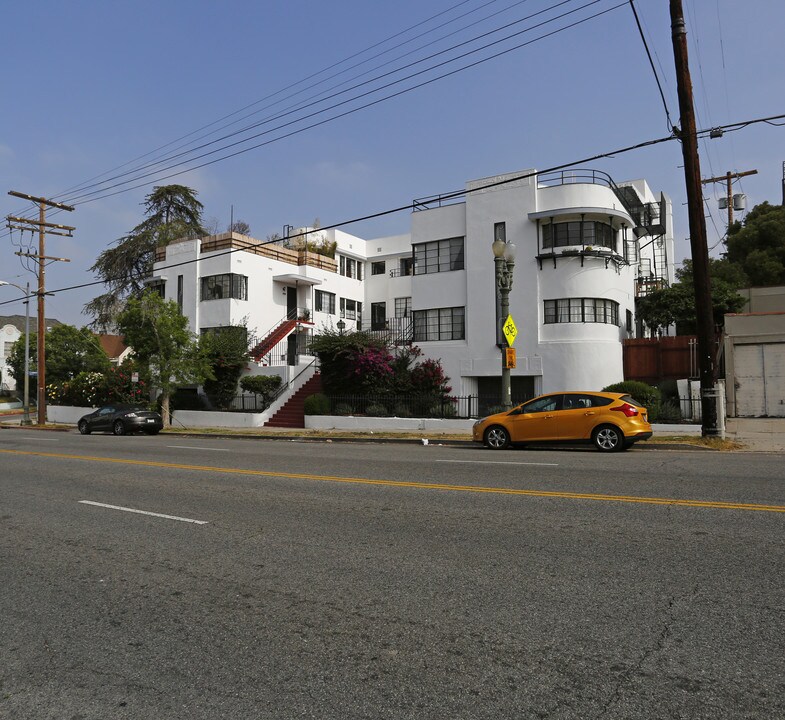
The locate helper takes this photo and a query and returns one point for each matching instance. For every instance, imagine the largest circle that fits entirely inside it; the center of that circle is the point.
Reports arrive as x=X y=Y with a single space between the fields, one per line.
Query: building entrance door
x=291 y=302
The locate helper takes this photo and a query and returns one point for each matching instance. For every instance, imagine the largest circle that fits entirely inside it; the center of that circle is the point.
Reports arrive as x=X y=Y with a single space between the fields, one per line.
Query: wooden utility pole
x=700 y=250
x=41 y=259
x=727 y=178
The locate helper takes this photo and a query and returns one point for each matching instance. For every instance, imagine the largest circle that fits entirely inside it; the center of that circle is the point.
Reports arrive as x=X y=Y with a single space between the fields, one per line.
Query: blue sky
x=91 y=86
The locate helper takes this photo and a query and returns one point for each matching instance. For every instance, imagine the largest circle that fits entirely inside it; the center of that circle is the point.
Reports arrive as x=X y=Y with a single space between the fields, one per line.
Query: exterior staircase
x=278 y=333
x=292 y=414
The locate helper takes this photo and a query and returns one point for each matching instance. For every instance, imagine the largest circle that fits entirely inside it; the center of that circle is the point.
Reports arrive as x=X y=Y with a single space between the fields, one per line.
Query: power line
x=87 y=197
x=651 y=63
x=461 y=193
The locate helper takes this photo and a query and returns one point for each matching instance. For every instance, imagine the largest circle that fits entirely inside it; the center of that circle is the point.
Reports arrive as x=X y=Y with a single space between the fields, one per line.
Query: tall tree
x=676 y=304
x=69 y=351
x=757 y=247
x=172 y=212
x=159 y=336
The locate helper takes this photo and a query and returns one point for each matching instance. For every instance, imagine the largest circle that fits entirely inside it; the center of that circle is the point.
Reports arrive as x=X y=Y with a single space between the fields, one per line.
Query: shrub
x=376 y=410
x=667 y=411
x=643 y=393
x=260 y=384
x=402 y=410
x=318 y=404
x=343 y=409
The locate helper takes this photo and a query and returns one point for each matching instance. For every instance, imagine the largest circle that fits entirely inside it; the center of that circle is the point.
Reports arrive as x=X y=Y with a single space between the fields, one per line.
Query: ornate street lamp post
x=26 y=291
x=504 y=261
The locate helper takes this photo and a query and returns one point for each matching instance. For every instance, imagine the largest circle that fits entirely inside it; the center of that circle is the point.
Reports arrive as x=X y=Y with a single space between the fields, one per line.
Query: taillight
x=627 y=409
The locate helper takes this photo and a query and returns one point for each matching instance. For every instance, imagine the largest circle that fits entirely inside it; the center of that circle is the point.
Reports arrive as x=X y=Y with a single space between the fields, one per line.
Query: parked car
x=121 y=420
x=612 y=421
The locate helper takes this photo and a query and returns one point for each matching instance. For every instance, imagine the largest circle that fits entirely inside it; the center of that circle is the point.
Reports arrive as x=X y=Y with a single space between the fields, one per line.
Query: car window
x=631 y=400
x=106 y=411
x=543 y=404
x=600 y=401
x=575 y=401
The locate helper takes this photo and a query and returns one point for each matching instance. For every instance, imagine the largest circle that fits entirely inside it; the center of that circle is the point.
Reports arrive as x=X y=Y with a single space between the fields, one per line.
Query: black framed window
x=324 y=302
x=439 y=324
x=378 y=315
x=595 y=234
x=403 y=307
x=158 y=287
x=221 y=287
x=438 y=256
x=581 y=310
x=351 y=309
x=349 y=267
x=378 y=267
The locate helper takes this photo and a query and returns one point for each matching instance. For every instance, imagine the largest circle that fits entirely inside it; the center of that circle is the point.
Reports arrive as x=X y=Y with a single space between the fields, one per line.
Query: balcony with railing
x=235 y=242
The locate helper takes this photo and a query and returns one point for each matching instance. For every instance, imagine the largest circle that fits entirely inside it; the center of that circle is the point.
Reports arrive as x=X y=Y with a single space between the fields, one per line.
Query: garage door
x=760 y=380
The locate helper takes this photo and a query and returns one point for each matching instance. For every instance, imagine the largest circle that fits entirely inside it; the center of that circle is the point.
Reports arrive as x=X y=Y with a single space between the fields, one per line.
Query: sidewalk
x=753 y=434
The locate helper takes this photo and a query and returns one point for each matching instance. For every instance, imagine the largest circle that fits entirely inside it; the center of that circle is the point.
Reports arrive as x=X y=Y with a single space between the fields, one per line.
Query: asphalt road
x=283 y=579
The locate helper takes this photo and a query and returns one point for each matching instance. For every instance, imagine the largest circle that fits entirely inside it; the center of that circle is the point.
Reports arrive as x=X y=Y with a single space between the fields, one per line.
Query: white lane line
x=497 y=462
x=143 y=512
x=195 y=447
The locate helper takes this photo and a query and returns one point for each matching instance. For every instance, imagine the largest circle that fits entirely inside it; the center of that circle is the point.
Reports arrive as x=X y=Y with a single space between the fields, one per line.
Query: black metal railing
x=418 y=406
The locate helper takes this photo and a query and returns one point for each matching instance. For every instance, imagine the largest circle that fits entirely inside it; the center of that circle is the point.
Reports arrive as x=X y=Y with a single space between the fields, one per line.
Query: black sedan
x=121 y=420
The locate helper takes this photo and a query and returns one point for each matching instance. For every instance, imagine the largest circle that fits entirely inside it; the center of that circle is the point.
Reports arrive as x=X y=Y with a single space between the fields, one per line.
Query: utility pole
x=727 y=179
x=41 y=259
x=700 y=250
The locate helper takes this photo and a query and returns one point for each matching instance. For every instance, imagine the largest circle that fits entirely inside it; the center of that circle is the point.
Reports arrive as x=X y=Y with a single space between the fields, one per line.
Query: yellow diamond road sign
x=509 y=330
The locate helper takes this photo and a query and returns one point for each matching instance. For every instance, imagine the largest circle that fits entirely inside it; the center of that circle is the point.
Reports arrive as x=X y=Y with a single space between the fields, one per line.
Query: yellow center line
x=717 y=505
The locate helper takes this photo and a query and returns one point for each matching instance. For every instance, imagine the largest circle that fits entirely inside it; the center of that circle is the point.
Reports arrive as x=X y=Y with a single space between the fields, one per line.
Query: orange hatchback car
x=612 y=421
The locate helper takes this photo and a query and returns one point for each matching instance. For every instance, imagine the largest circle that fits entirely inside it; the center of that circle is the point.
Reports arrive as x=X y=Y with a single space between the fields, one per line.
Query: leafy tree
x=69 y=351
x=172 y=212
x=161 y=341
x=227 y=351
x=757 y=247
x=676 y=304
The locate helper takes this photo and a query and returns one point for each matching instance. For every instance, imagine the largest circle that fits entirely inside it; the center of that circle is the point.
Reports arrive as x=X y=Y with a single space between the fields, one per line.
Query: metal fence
x=417 y=406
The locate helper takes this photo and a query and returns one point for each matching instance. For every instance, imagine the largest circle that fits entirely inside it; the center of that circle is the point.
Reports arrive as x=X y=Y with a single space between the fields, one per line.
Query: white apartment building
x=586 y=247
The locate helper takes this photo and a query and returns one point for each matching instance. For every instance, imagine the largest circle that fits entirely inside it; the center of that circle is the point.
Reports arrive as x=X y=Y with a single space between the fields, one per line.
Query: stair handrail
x=295 y=314
x=283 y=388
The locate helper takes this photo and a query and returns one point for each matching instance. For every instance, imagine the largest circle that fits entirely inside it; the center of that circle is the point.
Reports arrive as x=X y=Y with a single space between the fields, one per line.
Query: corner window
x=221 y=287
x=378 y=268
x=439 y=324
x=351 y=309
x=595 y=234
x=581 y=310
x=439 y=256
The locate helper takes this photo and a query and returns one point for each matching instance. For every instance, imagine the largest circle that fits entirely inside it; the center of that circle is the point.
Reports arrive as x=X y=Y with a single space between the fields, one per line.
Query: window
x=439 y=256
x=180 y=292
x=378 y=315
x=159 y=287
x=403 y=307
x=407 y=265
x=218 y=287
x=348 y=267
x=378 y=268
x=351 y=309
x=543 y=404
x=586 y=310
x=7 y=349
x=325 y=302
x=439 y=324
x=596 y=234
x=629 y=321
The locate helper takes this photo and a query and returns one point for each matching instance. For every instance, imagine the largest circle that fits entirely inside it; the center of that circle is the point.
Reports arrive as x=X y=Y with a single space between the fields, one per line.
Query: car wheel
x=119 y=428
x=497 y=438
x=84 y=428
x=608 y=438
